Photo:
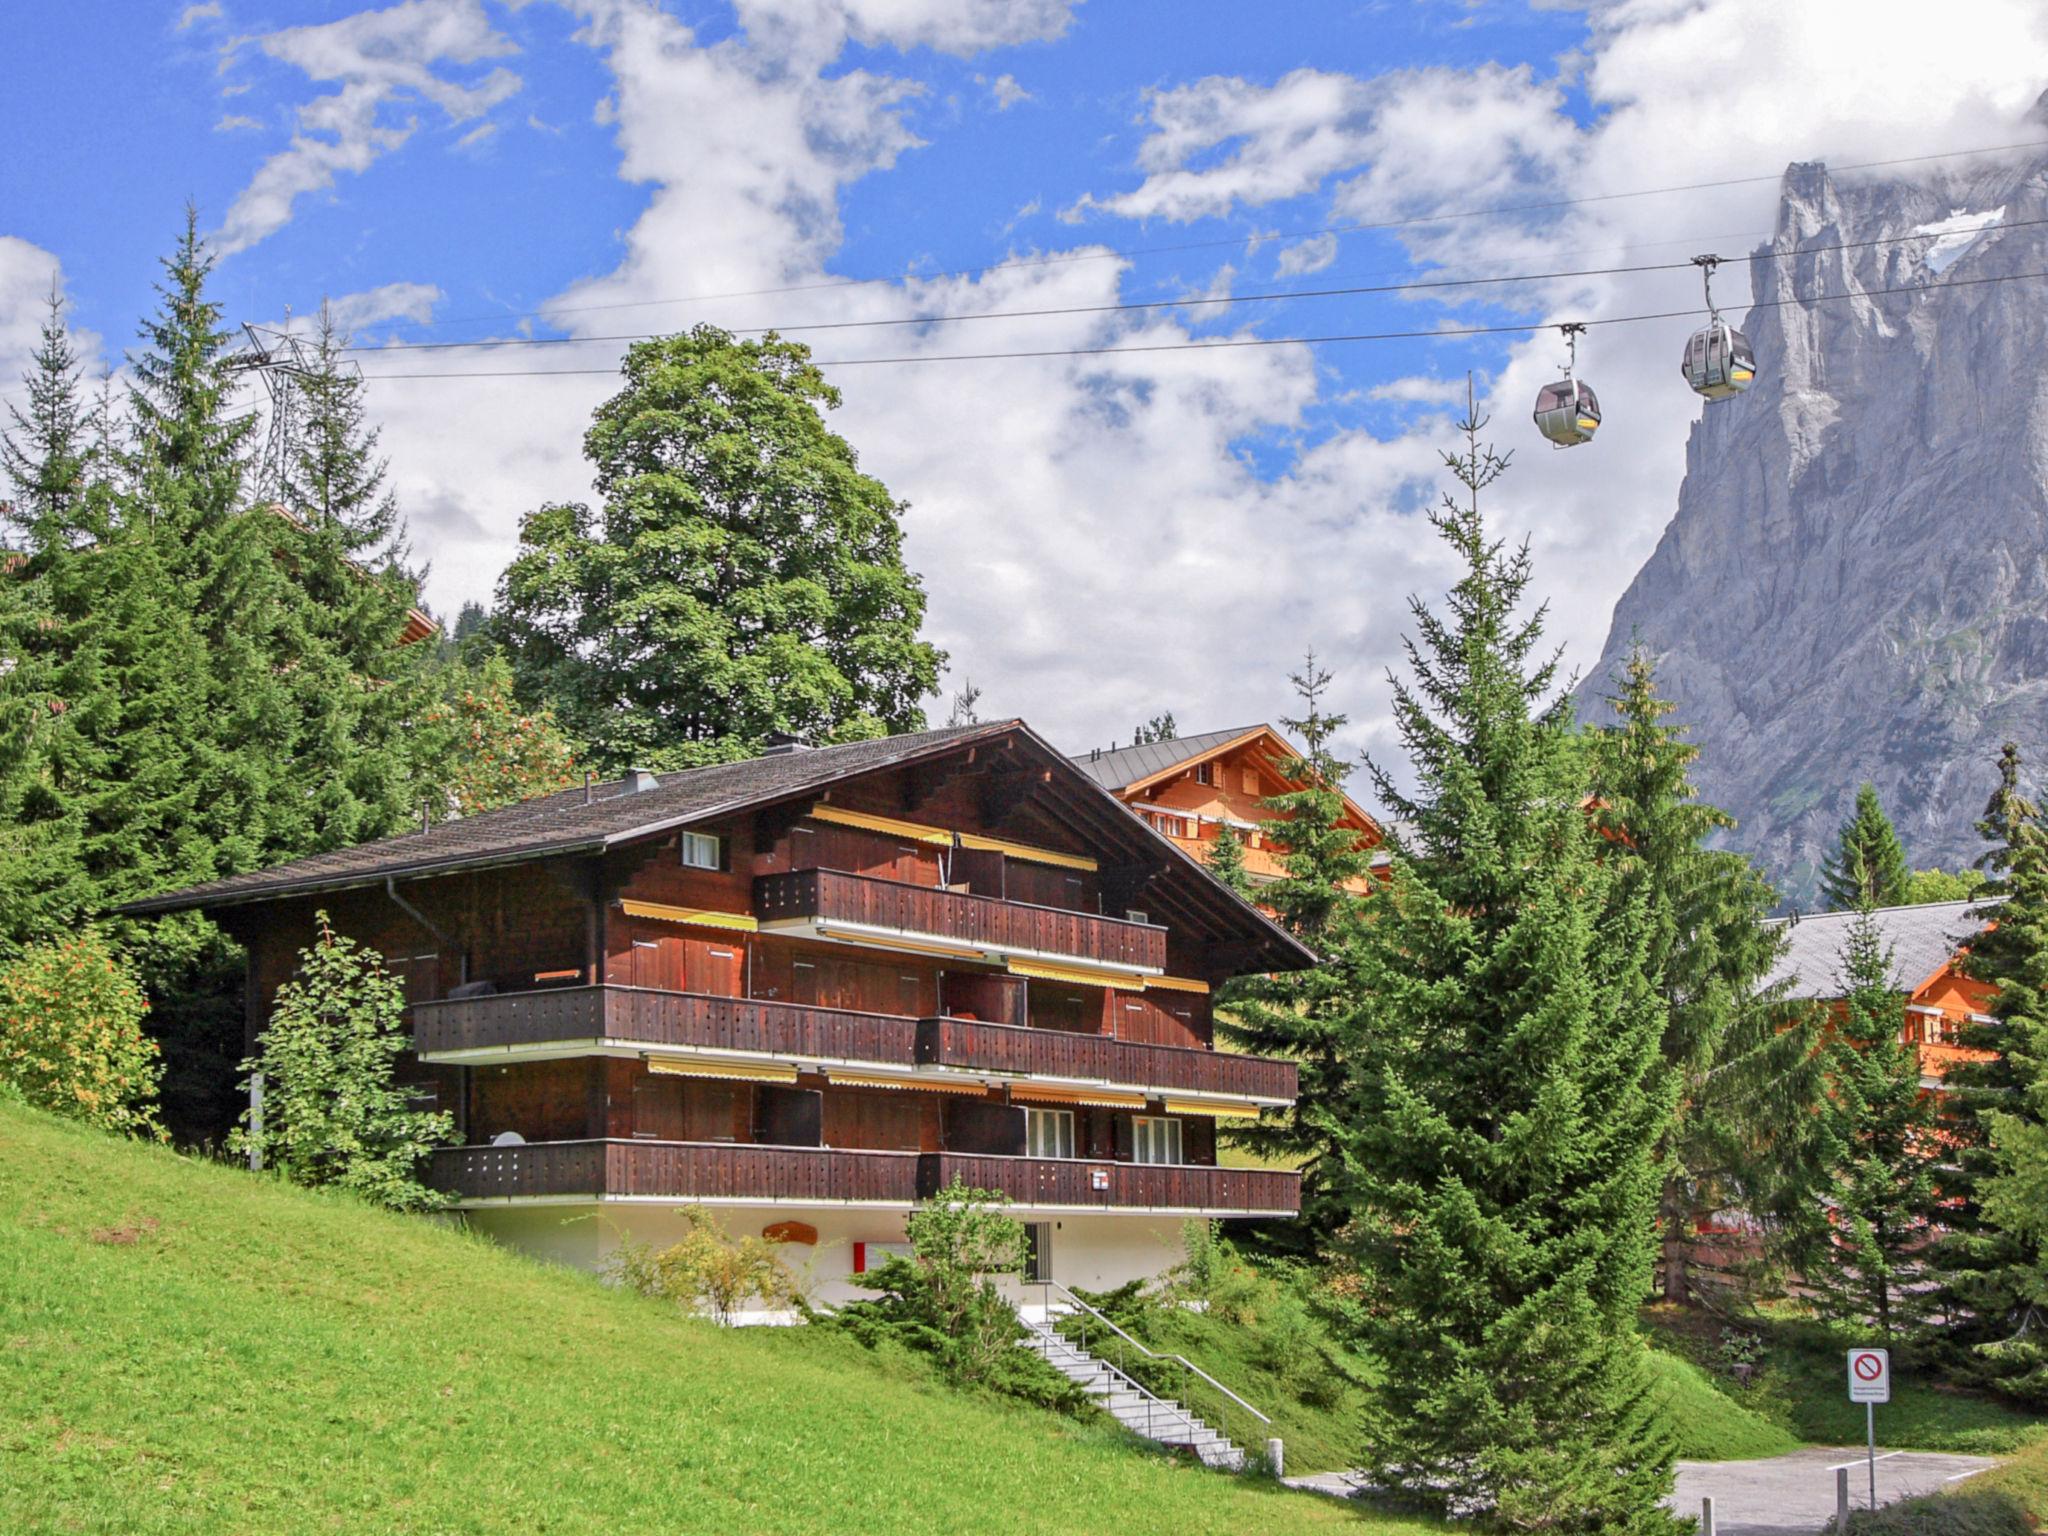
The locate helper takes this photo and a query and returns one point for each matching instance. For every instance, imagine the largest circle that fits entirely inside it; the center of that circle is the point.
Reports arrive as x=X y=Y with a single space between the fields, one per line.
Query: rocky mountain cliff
x=1855 y=585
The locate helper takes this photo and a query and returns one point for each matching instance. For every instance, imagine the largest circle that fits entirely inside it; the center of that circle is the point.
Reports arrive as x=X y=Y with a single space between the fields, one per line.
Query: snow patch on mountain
x=1955 y=235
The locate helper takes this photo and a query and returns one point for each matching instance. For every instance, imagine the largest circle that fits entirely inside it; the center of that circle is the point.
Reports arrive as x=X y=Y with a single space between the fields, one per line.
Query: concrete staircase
x=1170 y=1423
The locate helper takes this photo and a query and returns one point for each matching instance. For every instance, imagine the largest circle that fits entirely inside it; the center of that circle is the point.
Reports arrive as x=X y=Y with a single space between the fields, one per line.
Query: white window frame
x=1045 y=1128
x=693 y=846
x=1155 y=1139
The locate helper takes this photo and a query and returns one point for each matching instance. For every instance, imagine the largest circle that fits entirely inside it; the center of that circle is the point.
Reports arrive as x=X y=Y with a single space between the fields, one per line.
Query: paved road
x=1781 y=1496
x=1784 y=1495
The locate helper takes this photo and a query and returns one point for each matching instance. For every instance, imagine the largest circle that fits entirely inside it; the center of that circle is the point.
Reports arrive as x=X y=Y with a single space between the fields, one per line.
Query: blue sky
x=1102 y=538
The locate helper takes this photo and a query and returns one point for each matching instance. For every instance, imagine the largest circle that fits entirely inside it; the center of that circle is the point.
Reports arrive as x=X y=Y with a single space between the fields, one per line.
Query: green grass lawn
x=1800 y=1388
x=1713 y=1425
x=187 y=1348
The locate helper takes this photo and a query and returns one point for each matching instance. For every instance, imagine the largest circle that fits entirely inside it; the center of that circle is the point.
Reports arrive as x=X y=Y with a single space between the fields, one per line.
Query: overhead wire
x=1229 y=343
x=1146 y=305
x=1129 y=252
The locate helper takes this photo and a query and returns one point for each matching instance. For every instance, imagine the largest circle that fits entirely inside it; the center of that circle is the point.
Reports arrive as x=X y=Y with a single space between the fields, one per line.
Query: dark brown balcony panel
x=1005 y=1048
x=675 y=1170
x=639 y=1016
x=1034 y=1181
x=827 y=896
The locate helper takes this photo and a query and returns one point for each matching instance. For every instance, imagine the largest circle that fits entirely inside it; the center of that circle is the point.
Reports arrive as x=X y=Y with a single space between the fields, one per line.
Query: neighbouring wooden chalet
x=809 y=989
x=1190 y=788
x=1926 y=944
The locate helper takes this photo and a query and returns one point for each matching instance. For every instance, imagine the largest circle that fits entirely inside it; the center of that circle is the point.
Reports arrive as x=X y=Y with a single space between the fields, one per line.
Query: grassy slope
x=185 y=1348
x=1711 y=1424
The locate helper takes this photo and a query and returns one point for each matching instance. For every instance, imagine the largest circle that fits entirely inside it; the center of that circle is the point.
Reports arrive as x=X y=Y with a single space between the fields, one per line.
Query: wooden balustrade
x=1025 y=1052
x=643 y=1016
x=1038 y=1181
x=686 y=1171
x=676 y=1170
x=829 y=895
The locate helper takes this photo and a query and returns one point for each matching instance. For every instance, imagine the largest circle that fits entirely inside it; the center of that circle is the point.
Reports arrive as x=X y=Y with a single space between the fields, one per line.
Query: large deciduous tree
x=1506 y=1092
x=740 y=577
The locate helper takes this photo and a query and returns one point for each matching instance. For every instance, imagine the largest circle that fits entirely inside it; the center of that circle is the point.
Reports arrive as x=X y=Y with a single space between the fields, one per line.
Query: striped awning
x=1219 y=1111
x=943 y=837
x=1075 y=976
x=702 y=917
x=1175 y=984
x=744 y=1071
x=845 y=1079
x=1046 y=1093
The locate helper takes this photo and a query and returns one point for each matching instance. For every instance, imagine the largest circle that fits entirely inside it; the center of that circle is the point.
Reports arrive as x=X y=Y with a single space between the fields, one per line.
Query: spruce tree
x=1990 y=1265
x=1226 y=860
x=1868 y=866
x=742 y=575
x=1864 y=1235
x=1505 y=1093
x=1741 y=1055
x=48 y=453
x=1306 y=1015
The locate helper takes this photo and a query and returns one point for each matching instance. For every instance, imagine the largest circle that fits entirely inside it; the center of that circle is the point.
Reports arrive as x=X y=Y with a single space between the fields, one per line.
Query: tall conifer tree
x=1307 y=1015
x=1868 y=866
x=1226 y=860
x=1506 y=1092
x=1864 y=1241
x=1740 y=1053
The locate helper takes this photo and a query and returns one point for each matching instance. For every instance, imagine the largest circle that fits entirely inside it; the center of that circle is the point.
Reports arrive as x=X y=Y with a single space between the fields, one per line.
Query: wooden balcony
x=644 y=1017
x=1083 y=1185
x=826 y=897
x=675 y=1170
x=574 y=1171
x=1021 y=1052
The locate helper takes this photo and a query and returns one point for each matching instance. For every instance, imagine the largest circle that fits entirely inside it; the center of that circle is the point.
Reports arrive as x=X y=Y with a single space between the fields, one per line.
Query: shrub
x=1973 y=1512
x=709 y=1271
x=332 y=1114
x=943 y=1300
x=71 y=1037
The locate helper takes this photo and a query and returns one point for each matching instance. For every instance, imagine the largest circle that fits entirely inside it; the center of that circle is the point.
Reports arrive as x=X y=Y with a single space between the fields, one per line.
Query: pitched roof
x=1922 y=940
x=1121 y=767
x=563 y=823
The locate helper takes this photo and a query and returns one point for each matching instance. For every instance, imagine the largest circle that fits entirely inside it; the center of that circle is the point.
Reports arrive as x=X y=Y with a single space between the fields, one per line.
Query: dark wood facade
x=872 y=987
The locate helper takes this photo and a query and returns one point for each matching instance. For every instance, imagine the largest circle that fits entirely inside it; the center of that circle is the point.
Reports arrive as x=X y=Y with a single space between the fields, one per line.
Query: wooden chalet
x=810 y=989
x=1190 y=788
x=1926 y=944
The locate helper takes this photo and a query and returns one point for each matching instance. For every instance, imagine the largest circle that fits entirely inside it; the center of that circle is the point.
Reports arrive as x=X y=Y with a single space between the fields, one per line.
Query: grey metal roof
x=1123 y=766
x=1922 y=939
x=563 y=823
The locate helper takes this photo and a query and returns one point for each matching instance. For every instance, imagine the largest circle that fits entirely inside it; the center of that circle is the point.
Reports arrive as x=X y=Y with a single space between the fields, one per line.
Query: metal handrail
x=1181 y=1360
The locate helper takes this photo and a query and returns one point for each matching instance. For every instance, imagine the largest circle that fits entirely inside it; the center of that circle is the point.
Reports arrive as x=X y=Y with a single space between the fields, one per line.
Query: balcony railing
x=685 y=1171
x=1079 y=1184
x=676 y=1170
x=643 y=1016
x=830 y=895
x=1009 y=1049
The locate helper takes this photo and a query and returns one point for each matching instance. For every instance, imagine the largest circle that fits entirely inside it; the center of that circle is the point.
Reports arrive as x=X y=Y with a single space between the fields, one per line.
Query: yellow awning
x=1220 y=1111
x=746 y=1071
x=888 y=1080
x=701 y=917
x=1046 y=1093
x=1074 y=976
x=1175 y=984
x=911 y=946
x=916 y=831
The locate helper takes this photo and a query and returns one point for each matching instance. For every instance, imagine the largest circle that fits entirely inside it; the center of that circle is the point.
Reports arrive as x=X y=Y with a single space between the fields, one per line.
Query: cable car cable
x=1232 y=343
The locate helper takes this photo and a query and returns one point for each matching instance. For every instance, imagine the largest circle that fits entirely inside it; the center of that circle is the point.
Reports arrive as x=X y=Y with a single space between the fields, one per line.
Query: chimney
x=638 y=781
x=782 y=743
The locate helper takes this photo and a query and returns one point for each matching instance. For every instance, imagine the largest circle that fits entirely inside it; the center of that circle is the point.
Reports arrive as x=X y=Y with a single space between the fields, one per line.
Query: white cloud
x=815 y=30
x=391 y=301
x=378 y=60
x=476 y=135
x=1004 y=91
x=1306 y=256
x=194 y=14
x=235 y=123
x=1420 y=390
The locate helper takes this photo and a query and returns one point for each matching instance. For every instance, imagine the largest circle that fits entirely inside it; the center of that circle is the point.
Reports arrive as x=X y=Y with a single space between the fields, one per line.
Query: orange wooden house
x=1926 y=944
x=1190 y=788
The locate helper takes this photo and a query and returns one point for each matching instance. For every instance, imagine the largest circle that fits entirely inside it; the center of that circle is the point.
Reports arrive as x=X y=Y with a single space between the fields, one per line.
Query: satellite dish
x=508 y=1139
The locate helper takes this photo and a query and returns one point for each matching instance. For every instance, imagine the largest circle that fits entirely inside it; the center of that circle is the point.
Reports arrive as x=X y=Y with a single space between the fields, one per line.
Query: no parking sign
x=1870 y=1376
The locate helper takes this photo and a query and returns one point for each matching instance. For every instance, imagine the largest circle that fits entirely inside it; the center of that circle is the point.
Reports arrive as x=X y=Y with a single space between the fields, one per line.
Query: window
x=1154 y=1139
x=1205 y=773
x=1037 y=1252
x=1048 y=1133
x=703 y=850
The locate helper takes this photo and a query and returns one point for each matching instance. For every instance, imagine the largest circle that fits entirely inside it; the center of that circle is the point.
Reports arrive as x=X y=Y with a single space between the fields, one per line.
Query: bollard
x=1842 y=1500
x=1276 y=1453
x=1707 y=1516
